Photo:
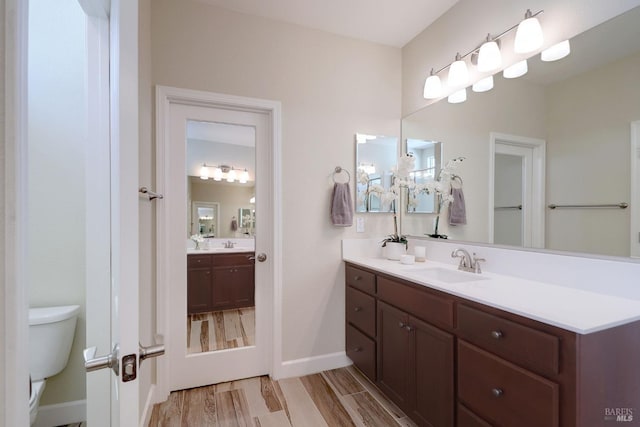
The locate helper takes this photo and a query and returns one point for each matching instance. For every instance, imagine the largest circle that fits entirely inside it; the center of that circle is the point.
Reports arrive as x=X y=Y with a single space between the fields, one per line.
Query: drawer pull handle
x=496 y=334
x=409 y=328
x=401 y=325
x=357 y=349
x=497 y=392
x=357 y=278
x=357 y=309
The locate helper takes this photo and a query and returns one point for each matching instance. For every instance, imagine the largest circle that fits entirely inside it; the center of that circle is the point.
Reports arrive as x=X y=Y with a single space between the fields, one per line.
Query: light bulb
x=483 y=85
x=489 y=57
x=516 y=70
x=217 y=174
x=244 y=177
x=458 y=96
x=458 y=73
x=204 y=172
x=529 y=34
x=557 y=51
x=231 y=175
x=432 y=87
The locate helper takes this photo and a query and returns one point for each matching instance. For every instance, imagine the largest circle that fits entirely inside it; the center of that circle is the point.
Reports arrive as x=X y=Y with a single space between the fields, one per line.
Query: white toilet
x=51 y=331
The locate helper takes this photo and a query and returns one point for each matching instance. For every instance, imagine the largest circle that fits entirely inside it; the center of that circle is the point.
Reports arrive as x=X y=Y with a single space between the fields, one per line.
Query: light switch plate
x=359 y=224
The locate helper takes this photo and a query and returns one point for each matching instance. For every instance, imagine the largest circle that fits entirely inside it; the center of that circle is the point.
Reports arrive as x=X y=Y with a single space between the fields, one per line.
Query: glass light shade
x=458 y=73
x=231 y=176
x=204 y=172
x=483 y=85
x=217 y=174
x=489 y=57
x=516 y=70
x=555 y=52
x=244 y=177
x=252 y=200
x=432 y=87
x=529 y=35
x=458 y=96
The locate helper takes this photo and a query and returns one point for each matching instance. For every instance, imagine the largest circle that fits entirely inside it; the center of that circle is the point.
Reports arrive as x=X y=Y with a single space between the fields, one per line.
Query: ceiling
x=388 y=22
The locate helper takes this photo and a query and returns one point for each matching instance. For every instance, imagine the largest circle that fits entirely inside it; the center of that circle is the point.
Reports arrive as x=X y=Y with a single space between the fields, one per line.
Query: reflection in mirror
x=375 y=158
x=583 y=106
x=428 y=163
x=221 y=273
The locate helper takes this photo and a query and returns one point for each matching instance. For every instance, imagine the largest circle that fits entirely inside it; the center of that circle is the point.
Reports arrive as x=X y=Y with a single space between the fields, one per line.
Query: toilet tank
x=51 y=331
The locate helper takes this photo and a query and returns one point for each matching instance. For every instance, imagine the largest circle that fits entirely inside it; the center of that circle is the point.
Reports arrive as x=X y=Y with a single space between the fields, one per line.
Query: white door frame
x=534 y=218
x=634 y=210
x=165 y=97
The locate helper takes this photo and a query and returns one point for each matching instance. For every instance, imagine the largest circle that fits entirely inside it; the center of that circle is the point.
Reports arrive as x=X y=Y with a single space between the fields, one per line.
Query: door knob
x=93 y=363
x=151 y=351
x=262 y=257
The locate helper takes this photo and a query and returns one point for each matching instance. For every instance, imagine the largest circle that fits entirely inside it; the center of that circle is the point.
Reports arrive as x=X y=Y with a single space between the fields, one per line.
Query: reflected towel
x=457 y=208
x=341 y=205
x=234 y=225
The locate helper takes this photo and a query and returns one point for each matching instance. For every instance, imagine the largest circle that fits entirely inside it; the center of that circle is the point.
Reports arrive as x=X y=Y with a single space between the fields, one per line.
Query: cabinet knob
x=497 y=334
x=357 y=278
x=497 y=392
x=356 y=309
x=409 y=328
x=357 y=349
x=401 y=325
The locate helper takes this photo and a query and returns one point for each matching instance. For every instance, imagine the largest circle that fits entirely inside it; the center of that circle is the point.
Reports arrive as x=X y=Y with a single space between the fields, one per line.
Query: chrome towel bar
x=621 y=205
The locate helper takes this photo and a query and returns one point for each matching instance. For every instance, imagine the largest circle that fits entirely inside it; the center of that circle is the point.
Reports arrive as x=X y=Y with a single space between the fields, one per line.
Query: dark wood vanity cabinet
x=219 y=282
x=447 y=361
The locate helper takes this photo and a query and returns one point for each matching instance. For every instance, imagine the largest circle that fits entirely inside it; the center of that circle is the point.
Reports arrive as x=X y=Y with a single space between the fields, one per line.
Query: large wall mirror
x=376 y=156
x=571 y=123
x=428 y=164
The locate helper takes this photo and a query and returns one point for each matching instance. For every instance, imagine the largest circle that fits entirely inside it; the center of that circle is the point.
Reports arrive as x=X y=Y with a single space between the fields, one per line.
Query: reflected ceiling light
x=528 y=35
x=231 y=175
x=367 y=168
x=458 y=73
x=432 y=87
x=244 y=177
x=489 y=57
x=217 y=174
x=483 y=85
x=557 y=51
x=362 y=138
x=516 y=70
x=252 y=200
x=458 y=96
x=204 y=172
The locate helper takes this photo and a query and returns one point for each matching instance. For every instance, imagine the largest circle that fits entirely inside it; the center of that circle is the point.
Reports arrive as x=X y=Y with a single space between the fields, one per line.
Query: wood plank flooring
x=340 y=397
x=221 y=329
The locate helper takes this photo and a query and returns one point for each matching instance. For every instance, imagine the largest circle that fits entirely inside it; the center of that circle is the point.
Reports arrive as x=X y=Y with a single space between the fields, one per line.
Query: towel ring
x=338 y=170
x=458 y=178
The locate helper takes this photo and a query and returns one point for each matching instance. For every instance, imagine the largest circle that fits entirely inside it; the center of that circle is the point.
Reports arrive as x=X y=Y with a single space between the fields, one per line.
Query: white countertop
x=573 y=309
x=191 y=251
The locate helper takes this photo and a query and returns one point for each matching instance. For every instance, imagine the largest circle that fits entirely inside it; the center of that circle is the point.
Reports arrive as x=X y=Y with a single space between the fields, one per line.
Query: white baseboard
x=311 y=365
x=61 y=414
x=148 y=406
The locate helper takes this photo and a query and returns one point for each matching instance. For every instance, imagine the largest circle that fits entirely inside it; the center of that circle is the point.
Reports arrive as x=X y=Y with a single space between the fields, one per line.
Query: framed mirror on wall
x=582 y=107
x=376 y=156
x=428 y=164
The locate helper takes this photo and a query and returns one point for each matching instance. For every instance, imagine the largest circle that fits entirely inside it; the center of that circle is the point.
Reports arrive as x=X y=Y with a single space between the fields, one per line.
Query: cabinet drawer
x=466 y=418
x=420 y=303
x=361 y=279
x=221 y=260
x=525 y=346
x=361 y=311
x=362 y=350
x=198 y=261
x=503 y=393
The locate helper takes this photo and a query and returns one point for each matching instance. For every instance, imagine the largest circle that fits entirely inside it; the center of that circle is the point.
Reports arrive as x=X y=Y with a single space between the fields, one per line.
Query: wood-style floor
x=341 y=397
x=219 y=330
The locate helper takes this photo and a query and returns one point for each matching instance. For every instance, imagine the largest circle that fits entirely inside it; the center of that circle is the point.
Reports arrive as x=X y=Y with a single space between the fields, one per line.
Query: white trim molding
x=165 y=97
x=61 y=414
x=312 y=365
x=634 y=211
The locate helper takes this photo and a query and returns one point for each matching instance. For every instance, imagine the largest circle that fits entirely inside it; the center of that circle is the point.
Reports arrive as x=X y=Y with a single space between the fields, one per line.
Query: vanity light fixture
x=489 y=56
x=458 y=73
x=217 y=174
x=244 y=177
x=204 y=172
x=367 y=168
x=252 y=199
x=458 y=96
x=432 y=86
x=231 y=175
x=556 y=52
x=362 y=138
x=529 y=34
x=224 y=172
x=483 y=85
x=516 y=70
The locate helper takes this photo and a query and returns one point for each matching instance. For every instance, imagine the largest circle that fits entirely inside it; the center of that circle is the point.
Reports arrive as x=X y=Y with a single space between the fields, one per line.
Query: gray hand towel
x=457 y=208
x=341 y=205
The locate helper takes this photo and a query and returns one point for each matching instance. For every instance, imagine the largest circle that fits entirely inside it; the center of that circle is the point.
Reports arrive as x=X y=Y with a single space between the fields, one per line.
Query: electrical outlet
x=359 y=224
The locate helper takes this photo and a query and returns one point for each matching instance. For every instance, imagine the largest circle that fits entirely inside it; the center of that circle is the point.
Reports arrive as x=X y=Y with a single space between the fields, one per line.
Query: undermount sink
x=446 y=275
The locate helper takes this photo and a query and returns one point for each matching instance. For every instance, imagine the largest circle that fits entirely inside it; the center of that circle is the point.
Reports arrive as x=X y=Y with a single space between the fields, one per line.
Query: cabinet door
x=432 y=379
x=198 y=290
x=222 y=287
x=393 y=354
x=243 y=290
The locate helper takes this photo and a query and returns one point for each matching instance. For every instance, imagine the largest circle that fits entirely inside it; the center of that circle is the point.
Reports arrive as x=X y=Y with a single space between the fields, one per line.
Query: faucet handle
x=476 y=263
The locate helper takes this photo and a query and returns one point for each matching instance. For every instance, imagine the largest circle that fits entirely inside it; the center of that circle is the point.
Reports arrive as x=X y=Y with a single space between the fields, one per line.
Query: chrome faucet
x=229 y=244
x=467 y=263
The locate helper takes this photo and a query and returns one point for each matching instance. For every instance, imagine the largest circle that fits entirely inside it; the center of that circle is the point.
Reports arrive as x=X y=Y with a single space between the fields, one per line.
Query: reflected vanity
x=577 y=113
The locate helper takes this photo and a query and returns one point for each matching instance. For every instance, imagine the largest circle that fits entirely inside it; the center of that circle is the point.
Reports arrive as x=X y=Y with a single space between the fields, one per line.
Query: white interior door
x=182 y=370
x=635 y=190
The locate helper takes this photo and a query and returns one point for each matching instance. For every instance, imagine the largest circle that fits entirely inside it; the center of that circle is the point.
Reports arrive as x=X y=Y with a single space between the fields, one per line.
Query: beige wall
x=56 y=177
x=466 y=24
x=588 y=143
x=330 y=87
